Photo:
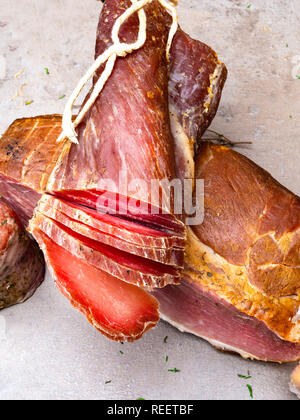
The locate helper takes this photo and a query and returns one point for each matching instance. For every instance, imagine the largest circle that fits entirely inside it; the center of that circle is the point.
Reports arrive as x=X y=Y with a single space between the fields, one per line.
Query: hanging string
x=117 y=49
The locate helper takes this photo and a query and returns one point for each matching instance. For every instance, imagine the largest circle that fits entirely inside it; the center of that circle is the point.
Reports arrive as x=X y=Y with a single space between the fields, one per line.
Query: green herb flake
x=4 y=222
x=290 y=117
x=174 y=370
x=121 y=352
x=298 y=77
x=250 y=391
x=62 y=97
x=46 y=70
x=249 y=6
x=287 y=45
x=244 y=377
x=167 y=358
x=29 y=102
x=140 y=399
x=165 y=339
x=107 y=382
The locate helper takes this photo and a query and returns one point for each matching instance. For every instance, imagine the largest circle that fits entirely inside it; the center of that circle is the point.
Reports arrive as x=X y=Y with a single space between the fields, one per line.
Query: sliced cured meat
x=21 y=262
x=244 y=255
x=120 y=264
x=199 y=311
x=121 y=207
x=119 y=310
x=295 y=382
x=53 y=208
x=134 y=233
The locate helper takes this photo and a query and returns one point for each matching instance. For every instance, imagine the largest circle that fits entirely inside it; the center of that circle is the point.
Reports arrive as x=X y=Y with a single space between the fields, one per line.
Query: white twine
x=117 y=49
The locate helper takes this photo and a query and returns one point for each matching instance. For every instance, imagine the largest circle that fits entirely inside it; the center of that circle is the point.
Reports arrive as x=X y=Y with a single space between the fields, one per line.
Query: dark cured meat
x=197 y=78
x=21 y=262
x=127 y=267
x=120 y=311
x=102 y=231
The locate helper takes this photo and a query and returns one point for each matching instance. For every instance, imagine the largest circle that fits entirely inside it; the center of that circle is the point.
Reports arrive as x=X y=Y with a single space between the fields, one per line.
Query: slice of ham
x=197 y=310
x=128 y=267
x=123 y=207
x=295 y=382
x=120 y=234
x=21 y=262
x=119 y=310
x=245 y=258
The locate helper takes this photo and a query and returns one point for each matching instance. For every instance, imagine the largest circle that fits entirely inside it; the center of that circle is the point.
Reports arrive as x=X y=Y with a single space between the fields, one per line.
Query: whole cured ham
x=21 y=262
x=241 y=282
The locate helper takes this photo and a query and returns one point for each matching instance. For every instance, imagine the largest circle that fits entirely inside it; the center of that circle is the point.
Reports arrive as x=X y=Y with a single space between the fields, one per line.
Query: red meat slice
x=119 y=310
x=127 y=267
x=174 y=257
x=128 y=231
x=124 y=207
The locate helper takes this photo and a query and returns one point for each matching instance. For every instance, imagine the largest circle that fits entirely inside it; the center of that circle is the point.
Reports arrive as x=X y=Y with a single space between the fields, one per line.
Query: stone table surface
x=47 y=349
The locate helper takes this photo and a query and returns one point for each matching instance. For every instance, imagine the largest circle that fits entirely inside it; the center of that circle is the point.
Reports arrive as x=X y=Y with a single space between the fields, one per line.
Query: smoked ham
x=241 y=284
x=140 y=87
x=21 y=262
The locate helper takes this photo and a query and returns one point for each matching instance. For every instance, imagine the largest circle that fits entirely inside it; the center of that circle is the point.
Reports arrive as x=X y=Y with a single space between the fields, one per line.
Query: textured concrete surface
x=47 y=349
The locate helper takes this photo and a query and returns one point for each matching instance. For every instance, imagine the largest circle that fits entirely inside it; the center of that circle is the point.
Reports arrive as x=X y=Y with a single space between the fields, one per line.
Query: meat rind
x=254 y=223
x=29 y=151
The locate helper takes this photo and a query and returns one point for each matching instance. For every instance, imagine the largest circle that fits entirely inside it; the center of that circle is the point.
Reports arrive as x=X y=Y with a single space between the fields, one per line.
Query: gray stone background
x=47 y=349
